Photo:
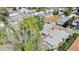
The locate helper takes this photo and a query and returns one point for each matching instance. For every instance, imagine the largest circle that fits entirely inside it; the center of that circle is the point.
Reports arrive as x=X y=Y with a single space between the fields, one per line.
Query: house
x=65 y=21
x=53 y=40
x=55 y=36
x=50 y=28
x=17 y=9
x=75 y=45
x=47 y=26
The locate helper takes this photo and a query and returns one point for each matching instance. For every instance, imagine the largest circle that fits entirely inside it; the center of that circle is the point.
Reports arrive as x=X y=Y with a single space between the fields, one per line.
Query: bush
x=3 y=37
x=56 y=12
x=65 y=46
x=18 y=47
x=3 y=11
x=68 y=11
x=30 y=46
x=3 y=41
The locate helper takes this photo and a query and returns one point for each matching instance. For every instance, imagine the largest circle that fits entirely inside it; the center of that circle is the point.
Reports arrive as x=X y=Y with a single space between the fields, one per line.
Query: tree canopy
x=3 y=36
x=3 y=11
x=68 y=11
x=31 y=26
x=39 y=8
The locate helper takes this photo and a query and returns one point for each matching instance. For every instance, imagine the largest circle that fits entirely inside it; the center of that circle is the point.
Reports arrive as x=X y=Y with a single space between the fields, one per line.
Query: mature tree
x=30 y=27
x=39 y=8
x=68 y=11
x=55 y=12
x=3 y=11
x=4 y=15
x=4 y=18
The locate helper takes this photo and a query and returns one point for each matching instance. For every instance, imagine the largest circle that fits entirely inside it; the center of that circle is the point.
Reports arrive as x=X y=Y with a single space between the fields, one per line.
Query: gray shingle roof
x=63 y=20
x=55 y=38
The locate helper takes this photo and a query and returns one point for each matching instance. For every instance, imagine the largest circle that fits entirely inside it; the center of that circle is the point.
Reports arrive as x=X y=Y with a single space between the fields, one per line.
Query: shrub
x=18 y=47
x=65 y=46
x=3 y=37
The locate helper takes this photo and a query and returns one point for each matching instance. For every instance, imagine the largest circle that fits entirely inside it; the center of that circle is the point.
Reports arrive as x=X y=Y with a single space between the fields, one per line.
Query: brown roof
x=75 y=45
x=51 y=19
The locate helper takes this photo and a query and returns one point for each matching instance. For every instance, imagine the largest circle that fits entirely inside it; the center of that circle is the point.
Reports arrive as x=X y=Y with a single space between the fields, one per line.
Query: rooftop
x=55 y=38
x=63 y=20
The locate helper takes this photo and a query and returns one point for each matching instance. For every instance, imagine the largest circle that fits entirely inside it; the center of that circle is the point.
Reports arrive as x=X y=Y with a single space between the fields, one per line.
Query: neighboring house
x=65 y=21
x=75 y=45
x=23 y=10
x=18 y=10
x=53 y=40
x=62 y=8
x=46 y=27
